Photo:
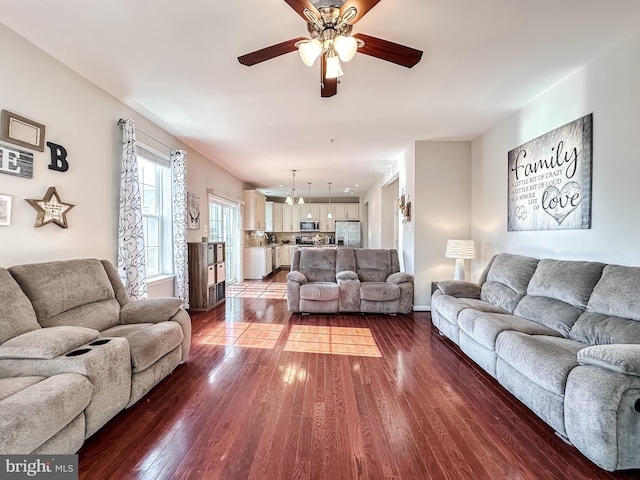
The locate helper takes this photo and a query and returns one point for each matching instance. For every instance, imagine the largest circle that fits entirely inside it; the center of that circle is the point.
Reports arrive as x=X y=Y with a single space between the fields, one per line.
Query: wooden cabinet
x=274 y=217
x=206 y=275
x=304 y=210
x=277 y=252
x=326 y=224
x=287 y=253
x=290 y=220
x=254 y=210
x=346 y=211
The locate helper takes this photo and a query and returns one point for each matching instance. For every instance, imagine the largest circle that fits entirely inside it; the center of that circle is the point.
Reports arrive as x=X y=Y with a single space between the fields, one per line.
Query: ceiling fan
x=329 y=23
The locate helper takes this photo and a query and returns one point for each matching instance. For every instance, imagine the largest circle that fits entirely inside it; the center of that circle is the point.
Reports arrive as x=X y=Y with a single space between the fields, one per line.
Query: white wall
x=441 y=210
x=608 y=88
x=82 y=118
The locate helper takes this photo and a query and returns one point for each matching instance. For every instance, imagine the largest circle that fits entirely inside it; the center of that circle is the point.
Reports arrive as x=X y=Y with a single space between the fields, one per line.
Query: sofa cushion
x=33 y=415
x=97 y=315
x=16 y=312
x=558 y=293
x=47 y=343
x=12 y=385
x=57 y=287
x=618 y=358
x=148 y=342
x=150 y=310
x=379 y=291
x=617 y=293
x=546 y=361
x=460 y=289
x=613 y=311
x=450 y=307
x=484 y=327
x=374 y=265
x=507 y=280
x=319 y=291
x=318 y=264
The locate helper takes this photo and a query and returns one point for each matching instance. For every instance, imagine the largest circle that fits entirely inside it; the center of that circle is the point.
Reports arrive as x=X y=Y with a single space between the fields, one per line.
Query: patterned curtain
x=180 y=268
x=131 y=259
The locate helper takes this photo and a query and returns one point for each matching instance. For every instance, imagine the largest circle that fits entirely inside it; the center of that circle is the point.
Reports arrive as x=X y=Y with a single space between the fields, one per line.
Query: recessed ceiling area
x=176 y=63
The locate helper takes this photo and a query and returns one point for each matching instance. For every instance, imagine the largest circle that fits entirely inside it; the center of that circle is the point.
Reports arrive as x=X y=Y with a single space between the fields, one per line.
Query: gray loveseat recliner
x=331 y=280
x=564 y=338
x=74 y=351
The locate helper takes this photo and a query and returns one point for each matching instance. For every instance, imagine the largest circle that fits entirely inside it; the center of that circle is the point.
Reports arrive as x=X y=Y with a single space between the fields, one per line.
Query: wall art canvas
x=16 y=162
x=193 y=211
x=549 y=180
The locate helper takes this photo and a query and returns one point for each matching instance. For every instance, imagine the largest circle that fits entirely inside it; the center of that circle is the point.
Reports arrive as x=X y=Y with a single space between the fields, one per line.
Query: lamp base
x=459 y=271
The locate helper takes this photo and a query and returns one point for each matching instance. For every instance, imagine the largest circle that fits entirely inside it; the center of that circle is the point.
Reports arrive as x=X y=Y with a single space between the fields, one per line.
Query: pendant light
x=329 y=214
x=293 y=198
x=309 y=206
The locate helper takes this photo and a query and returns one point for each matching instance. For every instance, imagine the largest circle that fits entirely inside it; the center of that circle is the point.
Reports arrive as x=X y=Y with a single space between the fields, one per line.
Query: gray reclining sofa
x=332 y=280
x=75 y=351
x=564 y=338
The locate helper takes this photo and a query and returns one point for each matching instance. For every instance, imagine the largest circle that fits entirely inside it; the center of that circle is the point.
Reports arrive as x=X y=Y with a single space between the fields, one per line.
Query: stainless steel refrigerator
x=348 y=234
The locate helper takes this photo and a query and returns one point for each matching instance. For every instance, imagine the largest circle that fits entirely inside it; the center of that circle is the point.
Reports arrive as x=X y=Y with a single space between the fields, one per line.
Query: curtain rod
x=121 y=122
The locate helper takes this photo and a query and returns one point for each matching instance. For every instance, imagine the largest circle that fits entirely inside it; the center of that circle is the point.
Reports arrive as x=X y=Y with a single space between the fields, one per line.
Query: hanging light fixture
x=293 y=197
x=330 y=36
x=329 y=214
x=309 y=205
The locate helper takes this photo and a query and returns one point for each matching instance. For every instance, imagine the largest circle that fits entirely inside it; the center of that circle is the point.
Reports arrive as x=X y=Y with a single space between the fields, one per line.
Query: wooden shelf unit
x=206 y=275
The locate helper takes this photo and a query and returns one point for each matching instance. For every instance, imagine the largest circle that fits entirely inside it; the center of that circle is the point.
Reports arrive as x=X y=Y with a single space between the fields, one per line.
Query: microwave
x=309 y=226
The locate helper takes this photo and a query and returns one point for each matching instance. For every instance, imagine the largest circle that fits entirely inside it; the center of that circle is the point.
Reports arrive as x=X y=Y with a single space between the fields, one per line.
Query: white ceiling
x=175 y=62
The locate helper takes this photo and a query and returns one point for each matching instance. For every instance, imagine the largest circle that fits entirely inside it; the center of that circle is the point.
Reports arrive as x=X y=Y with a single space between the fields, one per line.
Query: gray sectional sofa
x=332 y=280
x=75 y=351
x=564 y=338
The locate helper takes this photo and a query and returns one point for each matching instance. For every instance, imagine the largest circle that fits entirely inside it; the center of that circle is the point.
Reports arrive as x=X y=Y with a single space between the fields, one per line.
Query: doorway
x=224 y=225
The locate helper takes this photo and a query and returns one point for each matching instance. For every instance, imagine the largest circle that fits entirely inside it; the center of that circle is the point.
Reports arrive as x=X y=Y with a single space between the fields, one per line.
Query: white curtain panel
x=180 y=267
x=131 y=258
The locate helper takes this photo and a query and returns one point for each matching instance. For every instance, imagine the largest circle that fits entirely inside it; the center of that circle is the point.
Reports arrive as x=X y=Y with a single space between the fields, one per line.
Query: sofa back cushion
x=613 y=311
x=558 y=293
x=16 y=312
x=375 y=265
x=507 y=280
x=317 y=264
x=63 y=290
x=345 y=260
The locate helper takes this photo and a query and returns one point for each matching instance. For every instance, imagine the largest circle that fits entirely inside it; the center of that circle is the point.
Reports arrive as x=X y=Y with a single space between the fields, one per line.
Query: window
x=154 y=178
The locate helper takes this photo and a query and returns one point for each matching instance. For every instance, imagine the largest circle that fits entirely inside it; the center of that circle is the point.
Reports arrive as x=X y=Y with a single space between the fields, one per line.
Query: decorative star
x=50 y=209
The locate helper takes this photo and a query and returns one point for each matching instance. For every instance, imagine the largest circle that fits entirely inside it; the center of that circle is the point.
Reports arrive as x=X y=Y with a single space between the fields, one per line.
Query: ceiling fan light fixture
x=345 y=47
x=310 y=51
x=333 y=67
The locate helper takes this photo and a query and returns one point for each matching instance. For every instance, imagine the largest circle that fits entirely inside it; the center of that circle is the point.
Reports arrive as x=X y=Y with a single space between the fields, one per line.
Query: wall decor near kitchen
x=549 y=180
x=193 y=211
x=50 y=209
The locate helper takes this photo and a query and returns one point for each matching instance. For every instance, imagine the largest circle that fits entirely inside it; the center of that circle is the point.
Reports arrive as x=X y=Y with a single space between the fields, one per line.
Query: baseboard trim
x=421 y=308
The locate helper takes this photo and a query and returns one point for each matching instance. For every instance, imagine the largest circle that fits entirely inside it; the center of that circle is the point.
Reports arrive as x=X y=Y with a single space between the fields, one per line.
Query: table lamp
x=460 y=250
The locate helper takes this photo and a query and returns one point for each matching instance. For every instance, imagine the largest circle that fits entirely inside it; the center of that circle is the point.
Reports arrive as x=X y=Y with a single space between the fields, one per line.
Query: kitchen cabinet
x=326 y=224
x=290 y=220
x=255 y=204
x=287 y=253
x=273 y=219
x=277 y=256
x=258 y=262
x=346 y=211
x=206 y=263
x=313 y=208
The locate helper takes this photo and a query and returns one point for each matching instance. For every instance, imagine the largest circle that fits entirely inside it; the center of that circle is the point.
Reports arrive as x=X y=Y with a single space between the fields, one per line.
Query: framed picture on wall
x=21 y=131
x=5 y=210
x=193 y=211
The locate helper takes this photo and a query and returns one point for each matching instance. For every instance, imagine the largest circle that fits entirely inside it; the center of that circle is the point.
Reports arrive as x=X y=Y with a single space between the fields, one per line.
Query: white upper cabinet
x=255 y=204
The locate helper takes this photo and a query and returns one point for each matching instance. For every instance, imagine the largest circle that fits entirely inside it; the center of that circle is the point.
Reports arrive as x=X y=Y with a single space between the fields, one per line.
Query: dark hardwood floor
x=420 y=411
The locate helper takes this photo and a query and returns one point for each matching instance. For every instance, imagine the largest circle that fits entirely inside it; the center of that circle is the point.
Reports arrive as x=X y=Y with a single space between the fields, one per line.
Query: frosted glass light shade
x=309 y=51
x=333 y=67
x=345 y=47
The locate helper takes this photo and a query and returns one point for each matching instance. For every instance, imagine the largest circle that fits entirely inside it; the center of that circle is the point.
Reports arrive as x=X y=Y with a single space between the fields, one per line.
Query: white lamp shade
x=309 y=51
x=300 y=201
x=333 y=67
x=345 y=47
x=464 y=249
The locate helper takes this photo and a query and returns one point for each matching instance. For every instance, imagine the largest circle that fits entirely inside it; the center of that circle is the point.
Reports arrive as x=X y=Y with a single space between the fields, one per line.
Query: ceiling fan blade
x=300 y=5
x=328 y=86
x=269 y=52
x=363 y=7
x=389 y=51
